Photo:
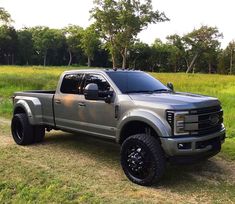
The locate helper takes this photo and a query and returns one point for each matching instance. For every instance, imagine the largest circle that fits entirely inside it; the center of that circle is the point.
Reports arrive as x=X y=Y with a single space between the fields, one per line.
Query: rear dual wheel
x=23 y=133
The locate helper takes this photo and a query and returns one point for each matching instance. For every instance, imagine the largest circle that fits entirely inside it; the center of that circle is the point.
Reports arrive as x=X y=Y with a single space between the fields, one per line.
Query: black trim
x=116 y=112
x=192 y=159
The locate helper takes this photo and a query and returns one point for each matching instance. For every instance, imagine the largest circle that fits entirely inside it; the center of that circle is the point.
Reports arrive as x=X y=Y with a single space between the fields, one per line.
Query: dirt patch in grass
x=5 y=141
x=5 y=121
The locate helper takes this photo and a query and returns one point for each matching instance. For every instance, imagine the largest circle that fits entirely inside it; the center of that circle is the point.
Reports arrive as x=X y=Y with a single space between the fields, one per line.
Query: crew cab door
x=99 y=116
x=66 y=103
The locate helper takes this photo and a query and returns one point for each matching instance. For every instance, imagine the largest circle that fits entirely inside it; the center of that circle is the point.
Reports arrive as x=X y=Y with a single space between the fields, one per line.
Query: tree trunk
x=210 y=67
x=45 y=59
x=12 y=59
x=70 y=57
x=88 y=61
x=124 y=56
x=135 y=63
x=8 y=61
x=231 y=62
x=175 y=68
x=192 y=63
x=113 y=51
x=186 y=61
x=114 y=61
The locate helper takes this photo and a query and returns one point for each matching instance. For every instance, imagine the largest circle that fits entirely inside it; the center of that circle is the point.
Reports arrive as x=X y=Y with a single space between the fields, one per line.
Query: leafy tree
x=165 y=55
x=174 y=58
x=25 y=46
x=222 y=63
x=73 y=36
x=204 y=39
x=120 y=21
x=8 y=44
x=46 y=39
x=90 y=43
x=231 y=50
x=140 y=54
x=106 y=16
x=180 y=55
x=226 y=59
x=5 y=17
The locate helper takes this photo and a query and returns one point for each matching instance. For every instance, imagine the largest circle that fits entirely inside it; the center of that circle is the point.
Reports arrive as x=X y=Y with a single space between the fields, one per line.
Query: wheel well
x=136 y=127
x=19 y=110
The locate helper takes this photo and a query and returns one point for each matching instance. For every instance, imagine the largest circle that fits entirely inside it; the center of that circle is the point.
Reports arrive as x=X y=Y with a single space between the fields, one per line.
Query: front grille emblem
x=214 y=119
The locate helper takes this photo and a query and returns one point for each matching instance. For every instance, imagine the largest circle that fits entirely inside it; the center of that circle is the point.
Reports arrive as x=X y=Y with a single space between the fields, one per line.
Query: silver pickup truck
x=152 y=123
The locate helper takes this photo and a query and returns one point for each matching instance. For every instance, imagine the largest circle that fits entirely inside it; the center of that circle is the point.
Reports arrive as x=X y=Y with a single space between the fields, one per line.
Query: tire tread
x=157 y=153
x=28 y=137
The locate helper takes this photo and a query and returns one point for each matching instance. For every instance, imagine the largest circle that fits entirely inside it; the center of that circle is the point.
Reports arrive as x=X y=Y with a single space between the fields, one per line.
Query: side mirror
x=170 y=86
x=91 y=92
x=108 y=98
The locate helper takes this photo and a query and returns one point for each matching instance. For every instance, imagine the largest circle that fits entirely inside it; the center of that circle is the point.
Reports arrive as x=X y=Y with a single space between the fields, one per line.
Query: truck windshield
x=137 y=82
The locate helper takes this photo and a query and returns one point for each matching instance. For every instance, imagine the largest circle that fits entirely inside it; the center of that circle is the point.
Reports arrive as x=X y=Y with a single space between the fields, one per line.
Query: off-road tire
x=39 y=133
x=155 y=163
x=22 y=131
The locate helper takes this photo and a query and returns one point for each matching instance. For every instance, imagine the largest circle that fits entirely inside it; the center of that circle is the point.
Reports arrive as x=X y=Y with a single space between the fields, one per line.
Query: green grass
x=70 y=168
x=228 y=150
x=13 y=78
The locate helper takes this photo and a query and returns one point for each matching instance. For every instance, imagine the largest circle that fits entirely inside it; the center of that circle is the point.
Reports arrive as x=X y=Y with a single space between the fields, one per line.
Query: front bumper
x=193 y=146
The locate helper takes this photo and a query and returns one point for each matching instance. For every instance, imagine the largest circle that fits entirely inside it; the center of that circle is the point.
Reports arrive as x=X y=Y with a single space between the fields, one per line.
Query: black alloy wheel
x=142 y=159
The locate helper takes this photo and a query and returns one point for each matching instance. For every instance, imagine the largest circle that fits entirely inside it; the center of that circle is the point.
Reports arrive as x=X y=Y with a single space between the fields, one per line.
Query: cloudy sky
x=185 y=15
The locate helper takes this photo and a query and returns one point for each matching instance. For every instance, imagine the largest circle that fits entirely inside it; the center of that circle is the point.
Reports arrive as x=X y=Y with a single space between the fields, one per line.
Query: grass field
x=29 y=78
x=70 y=168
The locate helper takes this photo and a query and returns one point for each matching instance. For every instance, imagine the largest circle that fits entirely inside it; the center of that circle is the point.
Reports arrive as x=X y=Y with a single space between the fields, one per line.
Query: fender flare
x=31 y=106
x=146 y=116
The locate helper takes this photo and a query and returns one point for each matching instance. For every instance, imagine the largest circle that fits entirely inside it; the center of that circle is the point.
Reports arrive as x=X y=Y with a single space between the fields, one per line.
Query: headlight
x=179 y=123
x=176 y=119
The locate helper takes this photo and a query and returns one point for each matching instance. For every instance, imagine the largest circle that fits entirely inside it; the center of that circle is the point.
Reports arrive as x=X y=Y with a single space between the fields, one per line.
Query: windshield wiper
x=161 y=91
x=143 y=91
x=150 y=92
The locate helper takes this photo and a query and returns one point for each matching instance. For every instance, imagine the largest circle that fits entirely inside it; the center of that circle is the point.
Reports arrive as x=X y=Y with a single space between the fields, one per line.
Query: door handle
x=57 y=101
x=82 y=104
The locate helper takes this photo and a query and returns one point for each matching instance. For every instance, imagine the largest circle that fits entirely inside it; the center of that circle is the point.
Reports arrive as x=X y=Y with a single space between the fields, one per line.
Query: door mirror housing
x=91 y=92
x=170 y=86
x=108 y=98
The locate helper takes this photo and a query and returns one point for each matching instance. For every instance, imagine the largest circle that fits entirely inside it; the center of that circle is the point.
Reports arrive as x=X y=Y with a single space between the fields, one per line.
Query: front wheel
x=142 y=159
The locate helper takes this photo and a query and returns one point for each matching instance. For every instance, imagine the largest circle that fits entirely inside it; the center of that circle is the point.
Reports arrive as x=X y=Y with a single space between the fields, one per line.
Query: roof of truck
x=102 y=70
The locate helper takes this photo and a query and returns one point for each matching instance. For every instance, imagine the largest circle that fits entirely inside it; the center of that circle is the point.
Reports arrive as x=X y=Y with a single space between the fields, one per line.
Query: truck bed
x=46 y=101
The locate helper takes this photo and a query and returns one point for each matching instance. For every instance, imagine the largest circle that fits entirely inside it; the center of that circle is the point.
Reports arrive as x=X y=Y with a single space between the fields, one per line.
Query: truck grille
x=201 y=121
x=210 y=120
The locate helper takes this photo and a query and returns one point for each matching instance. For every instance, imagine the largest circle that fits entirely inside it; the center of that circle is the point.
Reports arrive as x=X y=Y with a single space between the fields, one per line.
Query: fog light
x=186 y=145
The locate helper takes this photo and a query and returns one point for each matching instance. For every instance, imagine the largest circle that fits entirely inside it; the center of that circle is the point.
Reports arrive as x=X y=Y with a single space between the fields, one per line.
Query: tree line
x=112 y=41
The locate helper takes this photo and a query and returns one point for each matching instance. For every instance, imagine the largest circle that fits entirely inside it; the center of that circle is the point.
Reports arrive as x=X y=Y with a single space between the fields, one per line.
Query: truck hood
x=177 y=100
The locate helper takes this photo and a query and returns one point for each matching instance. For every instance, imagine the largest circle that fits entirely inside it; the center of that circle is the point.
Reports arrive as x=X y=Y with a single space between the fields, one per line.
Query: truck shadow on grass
x=188 y=176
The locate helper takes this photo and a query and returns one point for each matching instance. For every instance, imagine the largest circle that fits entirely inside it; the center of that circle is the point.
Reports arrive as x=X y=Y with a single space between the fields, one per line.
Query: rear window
x=71 y=84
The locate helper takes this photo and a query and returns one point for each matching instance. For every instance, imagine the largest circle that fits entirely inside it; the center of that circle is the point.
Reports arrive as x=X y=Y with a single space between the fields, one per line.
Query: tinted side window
x=101 y=82
x=71 y=84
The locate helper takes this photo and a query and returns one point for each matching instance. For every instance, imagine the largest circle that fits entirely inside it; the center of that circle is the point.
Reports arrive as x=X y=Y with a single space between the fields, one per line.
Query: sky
x=185 y=15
